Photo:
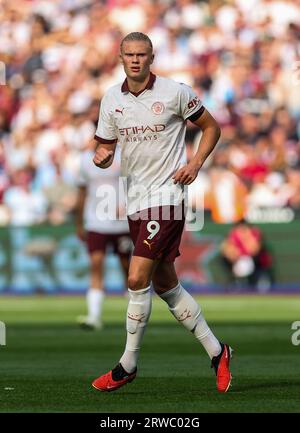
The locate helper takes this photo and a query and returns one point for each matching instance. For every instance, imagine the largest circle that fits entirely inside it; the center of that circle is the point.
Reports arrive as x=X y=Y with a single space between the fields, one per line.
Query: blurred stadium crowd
x=61 y=55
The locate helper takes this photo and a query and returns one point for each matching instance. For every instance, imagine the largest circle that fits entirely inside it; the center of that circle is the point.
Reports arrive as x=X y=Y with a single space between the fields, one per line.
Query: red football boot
x=114 y=379
x=221 y=365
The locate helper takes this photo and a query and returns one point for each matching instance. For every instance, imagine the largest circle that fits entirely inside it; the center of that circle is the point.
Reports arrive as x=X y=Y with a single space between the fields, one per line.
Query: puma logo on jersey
x=148 y=243
x=117 y=110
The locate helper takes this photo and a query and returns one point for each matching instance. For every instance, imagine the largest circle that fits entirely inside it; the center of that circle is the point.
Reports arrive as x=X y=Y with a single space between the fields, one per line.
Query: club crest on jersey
x=158 y=108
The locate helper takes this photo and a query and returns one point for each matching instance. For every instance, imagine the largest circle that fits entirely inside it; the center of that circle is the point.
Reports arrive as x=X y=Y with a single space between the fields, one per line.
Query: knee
x=95 y=266
x=96 y=259
x=162 y=285
x=163 y=288
x=164 y=278
x=137 y=281
x=96 y=270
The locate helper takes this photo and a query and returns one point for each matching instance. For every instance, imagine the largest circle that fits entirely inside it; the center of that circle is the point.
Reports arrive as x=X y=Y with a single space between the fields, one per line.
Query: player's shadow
x=234 y=389
x=265 y=385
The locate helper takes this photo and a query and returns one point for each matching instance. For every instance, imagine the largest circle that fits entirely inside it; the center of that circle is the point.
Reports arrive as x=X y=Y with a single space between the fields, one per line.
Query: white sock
x=94 y=300
x=138 y=313
x=187 y=311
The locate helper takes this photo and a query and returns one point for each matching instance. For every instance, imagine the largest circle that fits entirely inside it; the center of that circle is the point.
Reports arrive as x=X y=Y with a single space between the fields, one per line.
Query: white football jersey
x=150 y=129
x=105 y=201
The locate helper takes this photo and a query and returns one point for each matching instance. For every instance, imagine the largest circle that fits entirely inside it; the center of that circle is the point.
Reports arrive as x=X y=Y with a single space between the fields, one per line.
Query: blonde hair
x=137 y=36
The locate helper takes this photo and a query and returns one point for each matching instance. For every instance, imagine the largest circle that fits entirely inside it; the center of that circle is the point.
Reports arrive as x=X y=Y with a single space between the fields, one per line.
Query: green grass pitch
x=49 y=363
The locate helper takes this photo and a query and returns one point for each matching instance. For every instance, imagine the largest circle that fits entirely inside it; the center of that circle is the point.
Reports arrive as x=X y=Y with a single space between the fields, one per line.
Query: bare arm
x=210 y=136
x=104 y=154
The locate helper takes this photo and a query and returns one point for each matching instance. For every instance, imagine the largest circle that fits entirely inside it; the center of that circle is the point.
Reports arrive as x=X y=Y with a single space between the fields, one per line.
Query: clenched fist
x=103 y=158
x=187 y=174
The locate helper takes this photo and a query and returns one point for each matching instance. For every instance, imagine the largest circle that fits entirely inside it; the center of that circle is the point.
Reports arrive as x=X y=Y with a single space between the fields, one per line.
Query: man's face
x=136 y=57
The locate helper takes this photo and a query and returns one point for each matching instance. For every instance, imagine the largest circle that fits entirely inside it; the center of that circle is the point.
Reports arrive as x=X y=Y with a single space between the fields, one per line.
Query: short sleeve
x=106 y=130
x=190 y=105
